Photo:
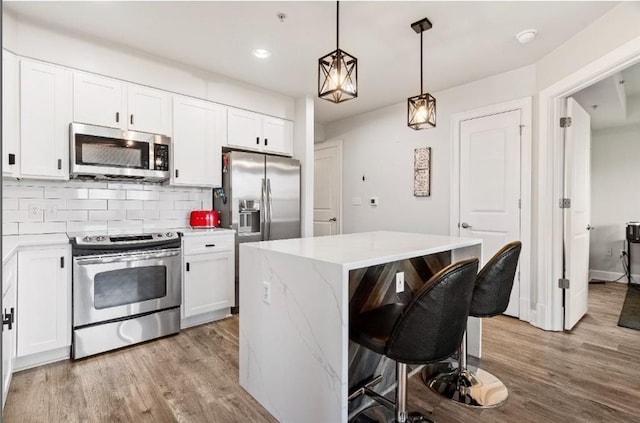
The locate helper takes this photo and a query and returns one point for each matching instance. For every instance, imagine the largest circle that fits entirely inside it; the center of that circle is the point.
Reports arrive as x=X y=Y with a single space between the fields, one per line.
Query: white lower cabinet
x=9 y=281
x=208 y=278
x=44 y=300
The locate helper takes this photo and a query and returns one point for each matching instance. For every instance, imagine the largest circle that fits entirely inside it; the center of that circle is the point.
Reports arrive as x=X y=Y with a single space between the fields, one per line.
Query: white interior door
x=326 y=189
x=490 y=185
x=577 y=217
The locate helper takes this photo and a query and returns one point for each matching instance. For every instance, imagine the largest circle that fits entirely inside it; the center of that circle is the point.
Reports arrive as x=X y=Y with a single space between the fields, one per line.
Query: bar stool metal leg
x=475 y=389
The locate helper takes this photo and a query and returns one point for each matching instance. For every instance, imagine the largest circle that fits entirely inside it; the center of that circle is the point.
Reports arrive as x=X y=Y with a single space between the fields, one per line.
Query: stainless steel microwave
x=116 y=154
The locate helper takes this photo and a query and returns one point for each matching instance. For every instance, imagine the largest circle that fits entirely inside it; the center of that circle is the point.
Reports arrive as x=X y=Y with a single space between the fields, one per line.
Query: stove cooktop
x=133 y=239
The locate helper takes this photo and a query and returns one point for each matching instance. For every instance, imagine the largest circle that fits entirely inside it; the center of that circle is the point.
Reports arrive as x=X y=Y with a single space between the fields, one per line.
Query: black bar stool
x=490 y=298
x=426 y=330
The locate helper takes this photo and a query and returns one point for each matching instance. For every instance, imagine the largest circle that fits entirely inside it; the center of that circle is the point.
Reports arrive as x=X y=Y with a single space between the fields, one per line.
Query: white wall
x=118 y=61
x=611 y=30
x=379 y=145
x=303 y=134
x=615 y=198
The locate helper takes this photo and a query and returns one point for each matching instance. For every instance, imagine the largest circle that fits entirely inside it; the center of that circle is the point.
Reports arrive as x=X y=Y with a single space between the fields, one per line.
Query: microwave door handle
x=269 y=201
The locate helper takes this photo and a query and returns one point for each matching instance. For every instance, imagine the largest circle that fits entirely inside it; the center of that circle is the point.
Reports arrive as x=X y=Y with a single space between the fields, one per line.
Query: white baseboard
x=610 y=276
x=39 y=359
x=200 y=319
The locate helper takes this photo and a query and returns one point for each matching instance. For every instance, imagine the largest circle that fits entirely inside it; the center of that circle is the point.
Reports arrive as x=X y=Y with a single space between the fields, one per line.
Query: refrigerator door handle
x=270 y=215
x=263 y=217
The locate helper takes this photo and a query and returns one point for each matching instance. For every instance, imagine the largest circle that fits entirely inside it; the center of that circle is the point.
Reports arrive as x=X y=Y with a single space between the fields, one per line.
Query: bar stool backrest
x=432 y=325
x=495 y=282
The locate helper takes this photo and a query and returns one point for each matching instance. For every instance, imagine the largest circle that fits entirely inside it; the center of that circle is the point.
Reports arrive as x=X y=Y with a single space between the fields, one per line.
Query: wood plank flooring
x=591 y=374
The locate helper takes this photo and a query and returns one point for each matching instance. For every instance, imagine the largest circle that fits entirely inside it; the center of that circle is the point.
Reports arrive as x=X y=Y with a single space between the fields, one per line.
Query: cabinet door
x=9 y=281
x=199 y=129
x=207 y=283
x=148 y=110
x=45 y=115
x=44 y=300
x=244 y=129
x=10 y=117
x=278 y=135
x=99 y=101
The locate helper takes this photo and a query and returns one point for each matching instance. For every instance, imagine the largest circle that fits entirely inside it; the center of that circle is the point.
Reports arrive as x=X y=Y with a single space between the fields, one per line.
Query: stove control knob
x=159 y=235
x=100 y=238
x=87 y=239
x=169 y=234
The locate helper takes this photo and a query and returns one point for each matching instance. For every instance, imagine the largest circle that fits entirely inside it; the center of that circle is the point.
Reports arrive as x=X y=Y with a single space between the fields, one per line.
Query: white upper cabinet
x=199 y=131
x=278 y=135
x=46 y=105
x=253 y=131
x=10 y=116
x=149 y=110
x=116 y=104
x=98 y=101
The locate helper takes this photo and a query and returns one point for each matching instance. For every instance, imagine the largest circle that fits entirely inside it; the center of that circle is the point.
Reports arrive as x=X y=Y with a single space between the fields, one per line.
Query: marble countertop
x=10 y=243
x=365 y=249
x=189 y=232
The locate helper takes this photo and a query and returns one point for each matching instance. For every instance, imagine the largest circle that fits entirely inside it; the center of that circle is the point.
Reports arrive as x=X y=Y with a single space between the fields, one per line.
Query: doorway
x=549 y=312
x=491 y=185
x=327 y=188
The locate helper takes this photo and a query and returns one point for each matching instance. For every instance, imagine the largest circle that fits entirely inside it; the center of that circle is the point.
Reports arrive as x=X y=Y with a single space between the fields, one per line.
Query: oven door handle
x=119 y=258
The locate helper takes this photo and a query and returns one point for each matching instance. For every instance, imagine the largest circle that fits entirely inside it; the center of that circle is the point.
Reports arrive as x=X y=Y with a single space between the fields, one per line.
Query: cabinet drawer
x=207 y=244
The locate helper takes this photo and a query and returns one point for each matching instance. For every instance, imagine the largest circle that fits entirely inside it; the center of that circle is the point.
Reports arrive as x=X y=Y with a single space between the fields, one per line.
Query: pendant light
x=338 y=72
x=421 y=109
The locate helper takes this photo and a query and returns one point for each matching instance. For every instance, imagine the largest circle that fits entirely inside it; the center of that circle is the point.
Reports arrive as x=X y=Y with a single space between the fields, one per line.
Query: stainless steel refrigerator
x=260 y=198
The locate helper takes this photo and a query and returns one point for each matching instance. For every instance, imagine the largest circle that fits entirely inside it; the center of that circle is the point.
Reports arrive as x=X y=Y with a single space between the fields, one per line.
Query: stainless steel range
x=126 y=289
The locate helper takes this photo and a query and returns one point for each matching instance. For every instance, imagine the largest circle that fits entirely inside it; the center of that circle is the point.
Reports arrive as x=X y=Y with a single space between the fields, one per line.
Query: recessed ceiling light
x=261 y=53
x=526 y=36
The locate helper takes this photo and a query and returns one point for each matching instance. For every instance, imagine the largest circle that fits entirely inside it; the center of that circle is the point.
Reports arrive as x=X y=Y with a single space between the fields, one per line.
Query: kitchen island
x=296 y=297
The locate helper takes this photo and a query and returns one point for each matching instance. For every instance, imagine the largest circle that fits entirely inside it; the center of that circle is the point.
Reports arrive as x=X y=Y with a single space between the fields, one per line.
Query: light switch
x=373 y=201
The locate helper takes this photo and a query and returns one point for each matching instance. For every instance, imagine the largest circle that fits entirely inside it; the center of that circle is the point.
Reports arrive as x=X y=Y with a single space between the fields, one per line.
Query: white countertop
x=189 y=232
x=11 y=243
x=365 y=249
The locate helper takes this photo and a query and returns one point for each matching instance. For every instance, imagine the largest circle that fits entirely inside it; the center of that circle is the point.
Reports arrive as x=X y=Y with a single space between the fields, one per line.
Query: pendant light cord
x=421 y=77
x=337 y=25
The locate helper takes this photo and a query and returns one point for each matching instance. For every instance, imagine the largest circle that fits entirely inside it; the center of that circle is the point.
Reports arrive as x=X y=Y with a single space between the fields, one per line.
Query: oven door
x=114 y=286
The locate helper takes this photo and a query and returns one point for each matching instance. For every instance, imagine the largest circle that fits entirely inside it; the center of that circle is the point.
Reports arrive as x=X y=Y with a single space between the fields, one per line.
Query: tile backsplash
x=40 y=207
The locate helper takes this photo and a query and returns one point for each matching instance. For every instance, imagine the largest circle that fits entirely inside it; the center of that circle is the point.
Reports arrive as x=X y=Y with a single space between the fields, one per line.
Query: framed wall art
x=422 y=172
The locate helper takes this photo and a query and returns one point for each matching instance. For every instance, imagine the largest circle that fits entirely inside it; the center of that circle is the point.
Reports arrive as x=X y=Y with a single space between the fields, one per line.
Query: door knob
x=333 y=219
x=465 y=225
x=589 y=227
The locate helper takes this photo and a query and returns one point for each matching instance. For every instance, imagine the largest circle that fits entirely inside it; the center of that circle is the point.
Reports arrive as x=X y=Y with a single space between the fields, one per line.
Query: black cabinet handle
x=188 y=267
x=266 y=141
x=12 y=159
x=8 y=318
x=59 y=164
x=62 y=262
x=176 y=173
x=132 y=119
x=210 y=245
x=117 y=116
x=258 y=140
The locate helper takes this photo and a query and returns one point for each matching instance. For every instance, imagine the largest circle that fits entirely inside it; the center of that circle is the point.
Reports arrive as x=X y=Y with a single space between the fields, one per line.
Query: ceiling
x=469 y=40
x=616 y=99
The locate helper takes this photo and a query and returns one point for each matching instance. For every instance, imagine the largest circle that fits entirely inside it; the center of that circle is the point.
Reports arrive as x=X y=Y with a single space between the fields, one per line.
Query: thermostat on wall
x=373 y=201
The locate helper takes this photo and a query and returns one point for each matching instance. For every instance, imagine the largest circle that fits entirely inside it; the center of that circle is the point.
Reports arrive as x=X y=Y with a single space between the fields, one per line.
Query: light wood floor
x=589 y=375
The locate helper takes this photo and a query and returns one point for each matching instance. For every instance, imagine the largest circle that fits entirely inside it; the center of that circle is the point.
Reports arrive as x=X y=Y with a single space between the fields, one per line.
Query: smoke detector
x=526 y=36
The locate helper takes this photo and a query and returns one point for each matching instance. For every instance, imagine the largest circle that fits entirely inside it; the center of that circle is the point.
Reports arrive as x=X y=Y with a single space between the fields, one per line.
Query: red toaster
x=204 y=219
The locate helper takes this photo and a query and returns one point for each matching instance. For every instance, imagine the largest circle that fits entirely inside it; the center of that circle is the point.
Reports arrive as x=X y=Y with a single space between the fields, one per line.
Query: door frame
x=549 y=311
x=525 y=106
x=331 y=143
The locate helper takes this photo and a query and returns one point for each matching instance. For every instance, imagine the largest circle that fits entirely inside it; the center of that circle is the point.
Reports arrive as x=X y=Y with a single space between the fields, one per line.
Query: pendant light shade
x=421 y=109
x=338 y=72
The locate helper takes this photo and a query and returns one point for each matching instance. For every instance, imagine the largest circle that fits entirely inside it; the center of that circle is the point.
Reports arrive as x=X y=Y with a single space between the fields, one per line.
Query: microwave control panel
x=161 y=157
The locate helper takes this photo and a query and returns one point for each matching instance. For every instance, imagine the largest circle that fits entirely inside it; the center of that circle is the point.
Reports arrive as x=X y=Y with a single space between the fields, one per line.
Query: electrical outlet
x=609 y=252
x=34 y=210
x=266 y=292
x=399 y=282
x=52 y=212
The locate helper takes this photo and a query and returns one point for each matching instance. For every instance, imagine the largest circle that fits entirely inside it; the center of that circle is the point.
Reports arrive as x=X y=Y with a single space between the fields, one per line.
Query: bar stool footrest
x=474 y=389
